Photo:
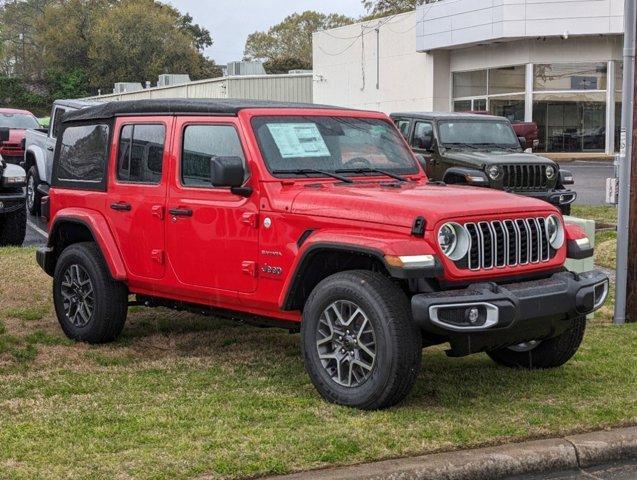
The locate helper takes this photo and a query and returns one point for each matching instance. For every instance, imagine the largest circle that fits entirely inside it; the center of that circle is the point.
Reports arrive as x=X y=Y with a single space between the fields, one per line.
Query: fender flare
x=351 y=242
x=99 y=229
x=40 y=161
x=465 y=172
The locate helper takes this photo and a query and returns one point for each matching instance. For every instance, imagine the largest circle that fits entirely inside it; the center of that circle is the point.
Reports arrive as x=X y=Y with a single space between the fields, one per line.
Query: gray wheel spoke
x=78 y=299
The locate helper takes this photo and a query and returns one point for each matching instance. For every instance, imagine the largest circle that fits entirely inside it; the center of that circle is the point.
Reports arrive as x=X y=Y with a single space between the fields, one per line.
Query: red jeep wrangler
x=314 y=218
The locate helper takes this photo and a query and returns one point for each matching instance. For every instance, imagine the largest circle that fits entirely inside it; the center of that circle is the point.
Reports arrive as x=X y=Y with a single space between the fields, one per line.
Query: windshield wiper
x=371 y=170
x=498 y=145
x=461 y=145
x=309 y=171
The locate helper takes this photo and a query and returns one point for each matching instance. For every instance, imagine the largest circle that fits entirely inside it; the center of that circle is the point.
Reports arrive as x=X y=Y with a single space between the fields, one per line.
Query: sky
x=231 y=21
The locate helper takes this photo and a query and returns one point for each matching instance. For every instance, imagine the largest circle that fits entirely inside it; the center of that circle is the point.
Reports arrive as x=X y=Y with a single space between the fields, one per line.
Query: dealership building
x=557 y=63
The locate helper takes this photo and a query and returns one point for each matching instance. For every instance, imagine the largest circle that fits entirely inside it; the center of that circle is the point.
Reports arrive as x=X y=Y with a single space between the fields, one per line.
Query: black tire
x=33 y=202
x=566 y=209
x=398 y=342
x=13 y=228
x=550 y=353
x=109 y=301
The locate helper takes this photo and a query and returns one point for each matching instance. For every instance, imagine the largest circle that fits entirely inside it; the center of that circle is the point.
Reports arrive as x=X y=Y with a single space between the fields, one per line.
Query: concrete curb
x=572 y=452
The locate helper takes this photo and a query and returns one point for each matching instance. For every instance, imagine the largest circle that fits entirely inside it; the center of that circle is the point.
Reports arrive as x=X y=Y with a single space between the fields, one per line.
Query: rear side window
x=83 y=152
x=141 y=153
x=201 y=143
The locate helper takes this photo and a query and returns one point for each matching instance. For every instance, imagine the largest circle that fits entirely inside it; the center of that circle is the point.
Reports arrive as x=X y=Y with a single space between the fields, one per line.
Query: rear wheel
x=550 y=353
x=90 y=306
x=359 y=342
x=34 y=198
x=13 y=228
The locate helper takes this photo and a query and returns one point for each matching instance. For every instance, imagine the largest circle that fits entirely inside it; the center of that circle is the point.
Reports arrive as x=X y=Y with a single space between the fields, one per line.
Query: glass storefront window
x=507 y=80
x=570 y=76
x=462 y=106
x=512 y=109
x=571 y=126
x=470 y=84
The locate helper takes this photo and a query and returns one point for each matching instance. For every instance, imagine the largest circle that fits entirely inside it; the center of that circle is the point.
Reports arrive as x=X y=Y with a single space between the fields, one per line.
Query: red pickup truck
x=316 y=219
x=18 y=122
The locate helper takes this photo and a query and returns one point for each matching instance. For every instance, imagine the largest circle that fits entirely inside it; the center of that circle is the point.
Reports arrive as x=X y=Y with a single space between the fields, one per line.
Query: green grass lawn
x=182 y=396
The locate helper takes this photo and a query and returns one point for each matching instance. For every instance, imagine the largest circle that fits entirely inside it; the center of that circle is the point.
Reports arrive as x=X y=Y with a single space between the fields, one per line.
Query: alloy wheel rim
x=525 y=346
x=31 y=192
x=346 y=343
x=78 y=295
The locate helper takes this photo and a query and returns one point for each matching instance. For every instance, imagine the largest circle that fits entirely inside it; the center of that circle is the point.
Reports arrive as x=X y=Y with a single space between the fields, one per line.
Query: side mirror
x=4 y=135
x=229 y=172
x=522 y=141
x=422 y=160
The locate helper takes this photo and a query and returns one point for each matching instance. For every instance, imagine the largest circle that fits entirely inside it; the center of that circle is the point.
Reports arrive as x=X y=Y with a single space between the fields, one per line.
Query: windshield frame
x=5 y=115
x=291 y=117
x=515 y=145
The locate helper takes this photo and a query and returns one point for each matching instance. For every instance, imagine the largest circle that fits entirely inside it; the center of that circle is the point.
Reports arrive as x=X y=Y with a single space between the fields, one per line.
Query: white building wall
x=350 y=71
x=456 y=23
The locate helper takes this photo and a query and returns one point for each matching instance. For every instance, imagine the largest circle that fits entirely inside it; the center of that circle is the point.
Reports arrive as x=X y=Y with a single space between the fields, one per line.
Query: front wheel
x=359 y=342
x=543 y=354
x=90 y=306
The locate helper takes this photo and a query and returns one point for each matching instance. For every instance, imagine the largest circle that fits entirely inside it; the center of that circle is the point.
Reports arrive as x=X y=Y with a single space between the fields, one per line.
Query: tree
x=291 y=40
x=382 y=8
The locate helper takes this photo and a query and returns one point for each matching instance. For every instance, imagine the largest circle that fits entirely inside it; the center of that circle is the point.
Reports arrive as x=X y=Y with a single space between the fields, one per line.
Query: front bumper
x=558 y=198
x=11 y=202
x=487 y=316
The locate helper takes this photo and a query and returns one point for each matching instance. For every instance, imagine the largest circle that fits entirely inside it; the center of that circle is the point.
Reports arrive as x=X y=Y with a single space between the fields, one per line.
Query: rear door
x=137 y=193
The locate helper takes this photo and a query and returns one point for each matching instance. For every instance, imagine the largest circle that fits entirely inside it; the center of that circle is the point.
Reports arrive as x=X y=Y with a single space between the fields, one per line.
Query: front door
x=422 y=142
x=212 y=236
x=137 y=193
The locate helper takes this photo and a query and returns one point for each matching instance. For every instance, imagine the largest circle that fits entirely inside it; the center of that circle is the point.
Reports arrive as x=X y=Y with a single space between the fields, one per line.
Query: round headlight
x=493 y=172
x=555 y=231
x=454 y=241
x=550 y=172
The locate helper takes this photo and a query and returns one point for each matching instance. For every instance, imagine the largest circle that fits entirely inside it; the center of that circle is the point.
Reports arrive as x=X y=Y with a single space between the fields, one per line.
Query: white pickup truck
x=39 y=149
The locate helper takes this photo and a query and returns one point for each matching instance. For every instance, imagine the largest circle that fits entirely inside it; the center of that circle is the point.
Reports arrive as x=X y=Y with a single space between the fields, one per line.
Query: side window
x=423 y=135
x=83 y=154
x=403 y=126
x=141 y=153
x=57 y=122
x=201 y=143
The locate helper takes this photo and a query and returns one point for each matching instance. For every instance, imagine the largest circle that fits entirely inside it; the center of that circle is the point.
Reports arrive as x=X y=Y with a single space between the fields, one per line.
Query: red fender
x=101 y=232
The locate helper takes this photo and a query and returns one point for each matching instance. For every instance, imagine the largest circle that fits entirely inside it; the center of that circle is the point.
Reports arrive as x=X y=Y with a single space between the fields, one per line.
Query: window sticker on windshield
x=298 y=140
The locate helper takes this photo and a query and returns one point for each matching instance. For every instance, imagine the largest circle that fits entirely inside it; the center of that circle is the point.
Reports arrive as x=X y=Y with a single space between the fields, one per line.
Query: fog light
x=473 y=315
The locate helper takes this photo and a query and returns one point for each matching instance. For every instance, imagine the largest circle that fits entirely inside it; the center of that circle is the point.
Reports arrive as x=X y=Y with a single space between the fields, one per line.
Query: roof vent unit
x=301 y=72
x=170 y=79
x=236 y=69
x=127 y=87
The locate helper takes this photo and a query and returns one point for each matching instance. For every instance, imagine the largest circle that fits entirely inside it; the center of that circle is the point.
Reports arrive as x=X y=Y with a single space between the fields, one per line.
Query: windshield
x=19 y=121
x=477 y=133
x=341 y=145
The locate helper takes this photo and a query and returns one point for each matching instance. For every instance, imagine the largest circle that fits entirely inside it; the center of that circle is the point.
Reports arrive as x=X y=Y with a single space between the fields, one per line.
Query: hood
x=502 y=158
x=399 y=206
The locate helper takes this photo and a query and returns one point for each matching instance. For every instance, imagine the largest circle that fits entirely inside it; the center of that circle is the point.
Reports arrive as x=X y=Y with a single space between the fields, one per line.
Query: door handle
x=50 y=149
x=122 y=207
x=180 y=212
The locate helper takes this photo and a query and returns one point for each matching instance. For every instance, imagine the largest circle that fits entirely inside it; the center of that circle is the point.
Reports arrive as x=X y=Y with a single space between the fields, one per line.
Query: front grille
x=524 y=177
x=507 y=243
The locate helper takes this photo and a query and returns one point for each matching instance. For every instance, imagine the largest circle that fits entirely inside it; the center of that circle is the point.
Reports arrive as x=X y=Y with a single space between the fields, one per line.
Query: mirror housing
x=4 y=135
x=522 y=141
x=229 y=172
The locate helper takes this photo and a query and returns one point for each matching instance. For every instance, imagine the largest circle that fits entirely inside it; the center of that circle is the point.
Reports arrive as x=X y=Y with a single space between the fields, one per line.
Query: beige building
x=554 y=62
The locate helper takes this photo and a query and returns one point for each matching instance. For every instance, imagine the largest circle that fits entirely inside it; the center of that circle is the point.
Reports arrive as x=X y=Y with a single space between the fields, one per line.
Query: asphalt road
x=590 y=180
x=590 y=185
x=617 y=471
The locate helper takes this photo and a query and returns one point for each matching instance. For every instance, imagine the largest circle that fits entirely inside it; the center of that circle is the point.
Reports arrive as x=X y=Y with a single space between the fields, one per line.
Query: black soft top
x=173 y=106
